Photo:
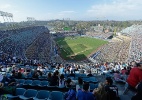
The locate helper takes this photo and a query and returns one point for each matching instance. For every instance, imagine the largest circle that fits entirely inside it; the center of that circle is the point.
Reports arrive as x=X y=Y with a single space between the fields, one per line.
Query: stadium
x=41 y=60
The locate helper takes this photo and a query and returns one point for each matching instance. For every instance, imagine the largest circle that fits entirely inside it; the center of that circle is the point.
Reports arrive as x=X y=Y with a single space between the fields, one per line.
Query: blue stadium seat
x=86 y=80
x=19 y=91
x=77 y=75
x=21 y=81
x=93 y=86
x=93 y=79
x=44 y=83
x=52 y=88
x=29 y=94
x=56 y=95
x=72 y=78
x=36 y=83
x=83 y=75
x=28 y=82
x=42 y=94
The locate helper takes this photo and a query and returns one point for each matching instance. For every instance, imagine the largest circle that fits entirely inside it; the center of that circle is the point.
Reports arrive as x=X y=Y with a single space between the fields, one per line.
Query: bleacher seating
x=30 y=93
x=19 y=91
x=42 y=94
x=16 y=43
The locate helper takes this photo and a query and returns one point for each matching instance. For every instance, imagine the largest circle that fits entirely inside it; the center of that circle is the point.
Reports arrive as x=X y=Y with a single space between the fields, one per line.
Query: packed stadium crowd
x=15 y=42
x=68 y=81
x=136 y=43
x=115 y=51
x=26 y=79
x=100 y=35
x=40 y=48
x=126 y=47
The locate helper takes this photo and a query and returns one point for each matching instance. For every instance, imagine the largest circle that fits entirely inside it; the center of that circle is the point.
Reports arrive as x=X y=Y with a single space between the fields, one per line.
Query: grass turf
x=78 y=48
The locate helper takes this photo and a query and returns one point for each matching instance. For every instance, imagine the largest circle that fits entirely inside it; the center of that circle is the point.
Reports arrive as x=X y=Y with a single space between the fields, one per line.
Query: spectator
x=111 y=90
x=19 y=75
x=123 y=71
x=128 y=70
x=90 y=74
x=71 y=74
x=100 y=92
x=61 y=70
x=84 y=94
x=69 y=82
x=12 y=82
x=35 y=74
x=135 y=76
x=79 y=85
x=118 y=77
x=61 y=81
x=49 y=76
x=54 y=80
x=71 y=94
x=81 y=71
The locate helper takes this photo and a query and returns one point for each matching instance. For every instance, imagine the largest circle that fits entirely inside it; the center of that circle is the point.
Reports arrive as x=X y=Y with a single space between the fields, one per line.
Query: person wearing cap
x=135 y=76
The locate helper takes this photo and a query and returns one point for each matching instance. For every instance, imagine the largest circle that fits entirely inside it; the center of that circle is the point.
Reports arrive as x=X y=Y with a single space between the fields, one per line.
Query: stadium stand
x=33 y=79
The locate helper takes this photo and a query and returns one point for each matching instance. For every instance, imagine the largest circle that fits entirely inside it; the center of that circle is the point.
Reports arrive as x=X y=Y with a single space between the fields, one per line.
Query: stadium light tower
x=2 y=14
x=11 y=16
x=6 y=16
x=31 y=20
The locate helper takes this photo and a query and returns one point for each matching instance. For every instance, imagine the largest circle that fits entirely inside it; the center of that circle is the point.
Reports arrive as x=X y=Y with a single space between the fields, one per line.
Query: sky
x=72 y=9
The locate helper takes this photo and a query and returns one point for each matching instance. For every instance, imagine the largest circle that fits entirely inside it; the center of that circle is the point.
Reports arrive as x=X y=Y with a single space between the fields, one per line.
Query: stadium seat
x=52 y=88
x=93 y=79
x=77 y=75
x=29 y=94
x=56 y=95
x=28 y=82
x=36 y=83
x=19 y=91
x=44 y=83
x=42 y=94
x=86 y=80
x=21 y=81
x=83 y=75
x=93 y=86
x=72 y=78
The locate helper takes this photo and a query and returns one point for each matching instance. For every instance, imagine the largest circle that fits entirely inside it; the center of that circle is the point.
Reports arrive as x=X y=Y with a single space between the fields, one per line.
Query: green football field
x=78 y=48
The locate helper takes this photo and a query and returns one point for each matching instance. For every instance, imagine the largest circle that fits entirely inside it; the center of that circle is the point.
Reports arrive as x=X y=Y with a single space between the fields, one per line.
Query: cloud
x=5 y=6
x=66 y=13
x=118 y=9
x=63 y=14
x=57 y=15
